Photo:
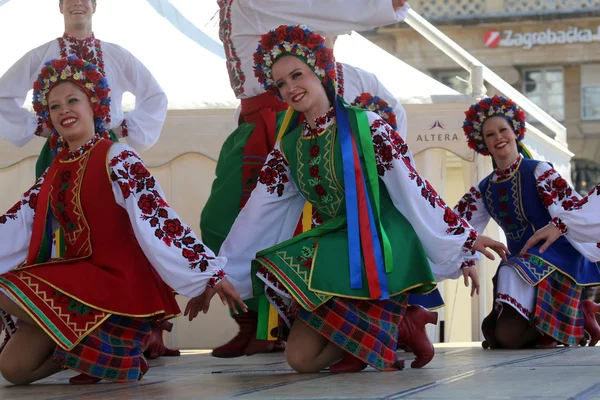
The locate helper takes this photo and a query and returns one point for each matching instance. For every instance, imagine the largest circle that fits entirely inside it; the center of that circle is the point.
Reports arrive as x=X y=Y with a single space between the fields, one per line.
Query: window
x=546 y=88
x=590 y=92
x=454 y=80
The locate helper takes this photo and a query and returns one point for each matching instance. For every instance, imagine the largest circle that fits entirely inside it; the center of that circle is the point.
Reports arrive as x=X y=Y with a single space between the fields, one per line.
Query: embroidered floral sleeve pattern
x=559 y=224
x=129 y=172
x=274 y=173
x=554 y=189
x=29 y=199
x=468 y=204
x=389 y=146
x=468 y=264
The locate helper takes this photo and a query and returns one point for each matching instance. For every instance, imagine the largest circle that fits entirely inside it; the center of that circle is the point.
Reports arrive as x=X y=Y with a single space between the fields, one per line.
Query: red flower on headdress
x=297 y=34
x=314 y=41
x=509 y=103
x=471 y=114
x=93 y=75
x=323 y=56
x=37 y=85
x=520 y=115
x=258 y=58
x=496 y=101
x=281 y=33
x=60 y=64
x=468 y=129
x=78 y=63
x=267 y=42
x=484 y=105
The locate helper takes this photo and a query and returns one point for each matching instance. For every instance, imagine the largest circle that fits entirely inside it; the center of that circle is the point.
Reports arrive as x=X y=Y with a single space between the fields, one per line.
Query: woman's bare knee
x=299 y=360
x=13 y=373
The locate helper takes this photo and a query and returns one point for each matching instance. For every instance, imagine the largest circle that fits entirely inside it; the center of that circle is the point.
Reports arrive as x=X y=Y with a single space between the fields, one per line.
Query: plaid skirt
x=366 y=329
x=556 y=312
x=112 y=351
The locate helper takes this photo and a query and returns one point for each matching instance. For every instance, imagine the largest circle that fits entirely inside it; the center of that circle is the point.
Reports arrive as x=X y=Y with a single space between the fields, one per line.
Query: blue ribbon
x=354 y=248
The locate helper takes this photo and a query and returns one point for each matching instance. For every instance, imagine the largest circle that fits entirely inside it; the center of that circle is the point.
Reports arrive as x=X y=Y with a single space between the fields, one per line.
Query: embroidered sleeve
x=144 y=123
x=471 y=207
x=269 y=217
x=581 y=222
x=173 y=249
x=559 y=224
x=16 y=227
x=577 y=215
x=446 y=237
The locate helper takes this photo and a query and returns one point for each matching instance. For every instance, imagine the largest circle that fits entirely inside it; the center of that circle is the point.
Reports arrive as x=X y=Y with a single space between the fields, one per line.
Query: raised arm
x=17 y=124
x=324 y=16
x=142 y=126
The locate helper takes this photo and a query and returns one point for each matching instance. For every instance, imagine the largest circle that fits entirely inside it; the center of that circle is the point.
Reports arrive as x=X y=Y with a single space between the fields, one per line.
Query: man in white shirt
x=242 y=155
x=124 y=73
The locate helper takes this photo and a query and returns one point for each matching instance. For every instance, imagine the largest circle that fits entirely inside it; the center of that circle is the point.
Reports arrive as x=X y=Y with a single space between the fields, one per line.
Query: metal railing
x=480 y=73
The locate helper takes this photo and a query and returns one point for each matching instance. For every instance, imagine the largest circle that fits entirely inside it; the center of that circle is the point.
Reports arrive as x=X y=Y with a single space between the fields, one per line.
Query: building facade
x=549 y=50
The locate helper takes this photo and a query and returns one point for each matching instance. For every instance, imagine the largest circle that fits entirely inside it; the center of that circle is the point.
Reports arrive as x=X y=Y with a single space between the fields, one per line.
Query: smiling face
x=300 y=87
x=500 y=139
x=71 y=113
x=77 y=13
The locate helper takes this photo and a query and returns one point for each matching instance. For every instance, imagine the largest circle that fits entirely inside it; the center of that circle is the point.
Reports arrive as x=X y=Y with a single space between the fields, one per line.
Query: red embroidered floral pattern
x=29 y=198
x=511 y=169
x=85 y=147
x=237 y=77
x=339 y=79
x=389 y=145
x=509 y=299
x=129 y=172
x=468 y=204
x=559 y=224
x=274 y=173
x=124 y=130
x=88 y=49
x=553 y=188
x=468 y=264
x=216 y=278
x=321 y=124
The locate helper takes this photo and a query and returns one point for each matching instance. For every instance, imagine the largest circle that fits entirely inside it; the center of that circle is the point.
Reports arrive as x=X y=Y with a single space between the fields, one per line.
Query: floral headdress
x=479 y=112
x=82 y=73
x=298 y=41
x=377 y=105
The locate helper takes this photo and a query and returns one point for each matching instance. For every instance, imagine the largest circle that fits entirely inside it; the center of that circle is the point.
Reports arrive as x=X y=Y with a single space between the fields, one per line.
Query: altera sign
x=508 y=38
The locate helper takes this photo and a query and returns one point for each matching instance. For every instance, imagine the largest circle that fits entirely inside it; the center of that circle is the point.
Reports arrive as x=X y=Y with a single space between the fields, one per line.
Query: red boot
x=348 y=363
x=245 y=342
x=84 y=379
x=412 y=333
x=590 y=324
x=156 y=346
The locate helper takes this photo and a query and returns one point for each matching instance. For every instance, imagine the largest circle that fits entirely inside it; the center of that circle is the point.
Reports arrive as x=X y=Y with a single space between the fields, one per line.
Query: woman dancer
x=537 y=294
x=342 y=286
x=126 y=249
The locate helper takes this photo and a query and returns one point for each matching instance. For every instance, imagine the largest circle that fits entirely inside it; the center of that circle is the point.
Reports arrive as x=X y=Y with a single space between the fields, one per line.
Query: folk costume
x=124 y=73
x=126 y=248
x=349 y=277
x=543 y=288
x=262 y=114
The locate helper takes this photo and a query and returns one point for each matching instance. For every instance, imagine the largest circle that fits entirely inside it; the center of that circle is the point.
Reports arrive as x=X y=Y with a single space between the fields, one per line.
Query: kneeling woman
x=126 y=249
x=342 y=286
x=537 y=293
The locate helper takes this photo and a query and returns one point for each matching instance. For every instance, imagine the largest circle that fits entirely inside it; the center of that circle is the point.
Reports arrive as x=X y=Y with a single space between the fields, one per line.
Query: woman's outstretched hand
x=226 y=291
x=484 y=242
x=471 y=273
x=549 y=233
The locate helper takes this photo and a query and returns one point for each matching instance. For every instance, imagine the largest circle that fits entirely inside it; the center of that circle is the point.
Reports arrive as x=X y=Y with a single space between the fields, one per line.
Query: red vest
x=103 y=266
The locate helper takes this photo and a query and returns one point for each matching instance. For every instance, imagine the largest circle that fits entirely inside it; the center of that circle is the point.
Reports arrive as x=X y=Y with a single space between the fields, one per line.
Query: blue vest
x=515 y=205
